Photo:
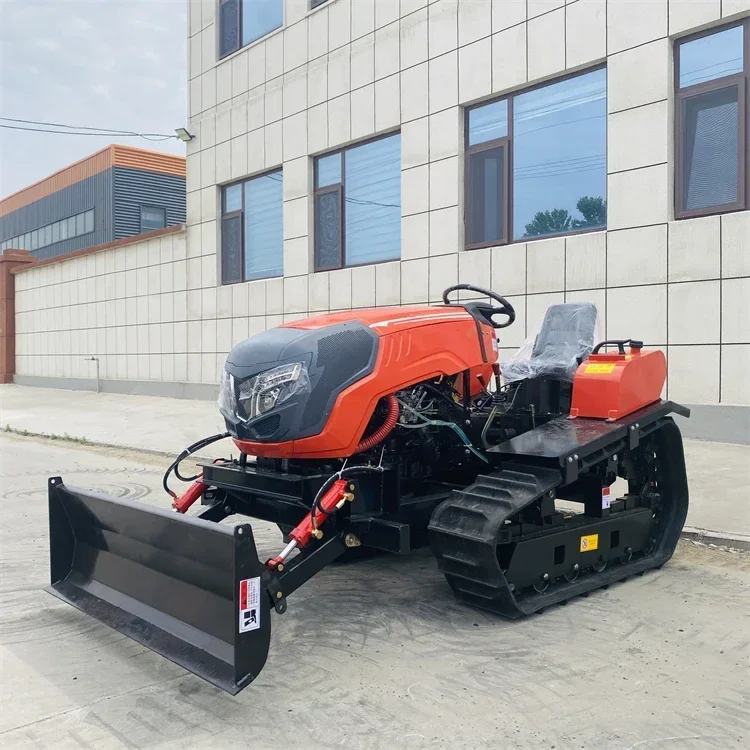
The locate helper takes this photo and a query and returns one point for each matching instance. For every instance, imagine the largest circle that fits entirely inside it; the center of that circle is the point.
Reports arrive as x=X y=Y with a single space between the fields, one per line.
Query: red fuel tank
x=613 y=385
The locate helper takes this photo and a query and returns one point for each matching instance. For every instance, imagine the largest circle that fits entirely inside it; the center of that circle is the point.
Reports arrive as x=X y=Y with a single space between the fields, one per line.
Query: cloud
x=114 y=64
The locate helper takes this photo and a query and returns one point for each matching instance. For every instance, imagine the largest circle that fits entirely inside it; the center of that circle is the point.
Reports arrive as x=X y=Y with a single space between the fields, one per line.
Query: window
x=89 y=221
x=152 y=218
x=711 y=121
x=316 y=3
x=536 y=162
x=357 y=205
x=252 y=232
x=243 y=21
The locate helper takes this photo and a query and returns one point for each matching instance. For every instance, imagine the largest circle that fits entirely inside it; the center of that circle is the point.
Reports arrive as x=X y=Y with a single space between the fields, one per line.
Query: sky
x=99 y=63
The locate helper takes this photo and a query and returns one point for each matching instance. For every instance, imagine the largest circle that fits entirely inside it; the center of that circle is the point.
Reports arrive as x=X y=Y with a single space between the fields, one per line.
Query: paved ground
x=719 y=473
x=376 y=655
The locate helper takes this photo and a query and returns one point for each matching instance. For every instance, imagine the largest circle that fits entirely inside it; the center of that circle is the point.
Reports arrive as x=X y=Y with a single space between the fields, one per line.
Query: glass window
x=488 y=122
x=229 y=26
x=35 y=239
x=233 y=198
x=152 y=217
x=357 y=205
x=316 y=3
x=80 y=224
x=555 y=137
x=264 y=243
x=486 y=195
x=259 y=17
x=56 y=232
x=63 y=229
x=72 y=226
x=711 y=138
x=89 y=220
x=328 y=170
x=252 y=232
x=710 y=57
x=48 y=234
x=243 y=21
x=710 y=121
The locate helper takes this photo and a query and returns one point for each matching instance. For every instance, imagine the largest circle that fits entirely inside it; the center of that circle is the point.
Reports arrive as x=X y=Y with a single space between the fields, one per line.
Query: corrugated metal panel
x=115 y=155
x=91 y=165
x=136 y=187
x=151 y=161
x=93 y=192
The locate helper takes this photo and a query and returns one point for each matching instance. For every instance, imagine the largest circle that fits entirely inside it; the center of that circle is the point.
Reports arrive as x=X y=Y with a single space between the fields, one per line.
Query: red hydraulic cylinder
x=300 y=535
x=184 y=501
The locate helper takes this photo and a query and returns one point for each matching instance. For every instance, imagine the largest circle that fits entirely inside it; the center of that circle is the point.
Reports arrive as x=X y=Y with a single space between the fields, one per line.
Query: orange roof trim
x=112 y=156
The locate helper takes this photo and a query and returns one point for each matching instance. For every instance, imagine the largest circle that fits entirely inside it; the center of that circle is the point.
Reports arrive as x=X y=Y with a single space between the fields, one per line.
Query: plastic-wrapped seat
x=565 y=339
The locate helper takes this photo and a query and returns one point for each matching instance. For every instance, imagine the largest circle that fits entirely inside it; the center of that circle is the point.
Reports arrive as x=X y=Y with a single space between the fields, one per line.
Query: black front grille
x=339 y=358
x=267 y=426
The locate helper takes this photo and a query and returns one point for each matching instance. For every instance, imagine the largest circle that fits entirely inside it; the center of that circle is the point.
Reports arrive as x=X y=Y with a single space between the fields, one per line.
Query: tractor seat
x=565 y=339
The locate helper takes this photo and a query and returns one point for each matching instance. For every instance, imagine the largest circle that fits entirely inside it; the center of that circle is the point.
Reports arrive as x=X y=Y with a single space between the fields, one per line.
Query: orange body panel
x=611 y=386
x=416 y=344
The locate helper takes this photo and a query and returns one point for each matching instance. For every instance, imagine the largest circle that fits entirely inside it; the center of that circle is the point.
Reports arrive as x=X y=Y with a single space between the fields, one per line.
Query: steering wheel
x=486 y=311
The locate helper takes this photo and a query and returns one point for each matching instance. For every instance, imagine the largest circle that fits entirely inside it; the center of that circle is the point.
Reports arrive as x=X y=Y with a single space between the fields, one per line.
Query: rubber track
x=464 y=529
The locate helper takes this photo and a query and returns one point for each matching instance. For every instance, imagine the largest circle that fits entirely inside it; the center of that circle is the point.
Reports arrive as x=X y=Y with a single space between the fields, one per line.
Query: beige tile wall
x=351 y=69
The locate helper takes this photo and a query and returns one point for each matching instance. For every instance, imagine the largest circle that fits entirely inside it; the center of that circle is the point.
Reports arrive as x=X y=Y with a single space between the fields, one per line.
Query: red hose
x=384 y=430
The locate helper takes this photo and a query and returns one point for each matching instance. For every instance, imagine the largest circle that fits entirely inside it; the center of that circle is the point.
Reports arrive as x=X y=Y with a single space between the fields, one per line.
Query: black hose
x=174 y=466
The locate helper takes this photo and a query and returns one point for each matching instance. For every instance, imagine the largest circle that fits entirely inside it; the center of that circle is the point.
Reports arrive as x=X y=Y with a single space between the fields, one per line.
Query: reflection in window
x=252 y=235
x=710 y=117
x=710 y=57
x=560 y=157
x=152 y=217
x=243 y=21
x=557 y=144
x=357 y=204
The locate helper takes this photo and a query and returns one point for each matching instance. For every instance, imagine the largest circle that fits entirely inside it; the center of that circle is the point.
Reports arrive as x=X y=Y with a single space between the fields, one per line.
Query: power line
x=82 y=130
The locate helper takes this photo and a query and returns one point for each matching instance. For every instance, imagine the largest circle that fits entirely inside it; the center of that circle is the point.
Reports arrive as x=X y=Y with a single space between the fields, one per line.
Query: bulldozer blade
x=188 y=589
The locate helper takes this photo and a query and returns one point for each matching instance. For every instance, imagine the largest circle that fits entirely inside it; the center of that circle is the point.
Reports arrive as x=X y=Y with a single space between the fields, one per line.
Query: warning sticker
x=606 y=502
x=589 y=543
x=600 y=368
x=249 y=604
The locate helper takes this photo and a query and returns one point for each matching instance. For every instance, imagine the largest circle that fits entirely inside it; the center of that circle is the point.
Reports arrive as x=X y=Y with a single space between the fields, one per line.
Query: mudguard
x=189 y=589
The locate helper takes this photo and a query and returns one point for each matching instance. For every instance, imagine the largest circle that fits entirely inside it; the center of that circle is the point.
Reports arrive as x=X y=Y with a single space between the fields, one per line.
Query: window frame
x=507 y=140
x=240 y=213
x=341 y=188
x=681 y=95
x=141 y=206
x=238 y=36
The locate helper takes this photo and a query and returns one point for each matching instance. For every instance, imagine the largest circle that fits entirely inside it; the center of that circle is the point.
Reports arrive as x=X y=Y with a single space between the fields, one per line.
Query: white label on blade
x=605 y=498
x=249 y=604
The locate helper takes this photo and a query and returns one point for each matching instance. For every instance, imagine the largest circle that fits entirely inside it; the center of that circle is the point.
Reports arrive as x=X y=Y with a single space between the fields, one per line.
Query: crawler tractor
x=542 y=479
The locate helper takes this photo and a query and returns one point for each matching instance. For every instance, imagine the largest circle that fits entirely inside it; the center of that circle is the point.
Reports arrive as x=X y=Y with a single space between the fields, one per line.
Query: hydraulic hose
x=174 y=466
x=384 y=430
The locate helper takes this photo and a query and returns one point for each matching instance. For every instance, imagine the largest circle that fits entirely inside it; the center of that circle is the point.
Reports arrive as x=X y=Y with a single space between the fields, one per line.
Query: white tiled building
x=470 y=129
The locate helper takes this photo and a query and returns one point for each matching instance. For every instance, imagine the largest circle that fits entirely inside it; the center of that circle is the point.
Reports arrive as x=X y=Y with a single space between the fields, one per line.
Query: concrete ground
x=719 y=473
x=373 y=655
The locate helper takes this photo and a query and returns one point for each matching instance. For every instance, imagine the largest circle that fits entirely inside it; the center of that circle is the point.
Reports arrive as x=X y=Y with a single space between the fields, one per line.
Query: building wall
x=92 y=192
x=351 y=69
x=116 y=195
x=136 y=187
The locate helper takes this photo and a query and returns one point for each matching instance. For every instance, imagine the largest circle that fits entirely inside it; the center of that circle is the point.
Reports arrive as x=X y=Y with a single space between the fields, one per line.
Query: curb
x=717 y=538
x=86 y=443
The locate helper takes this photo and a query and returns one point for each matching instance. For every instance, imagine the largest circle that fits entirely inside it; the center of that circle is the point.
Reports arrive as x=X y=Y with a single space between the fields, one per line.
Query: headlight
x=263 y=392
x=227 y=399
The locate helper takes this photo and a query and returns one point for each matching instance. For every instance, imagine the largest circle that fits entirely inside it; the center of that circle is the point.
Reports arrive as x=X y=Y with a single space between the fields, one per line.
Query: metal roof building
x=117 y=192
